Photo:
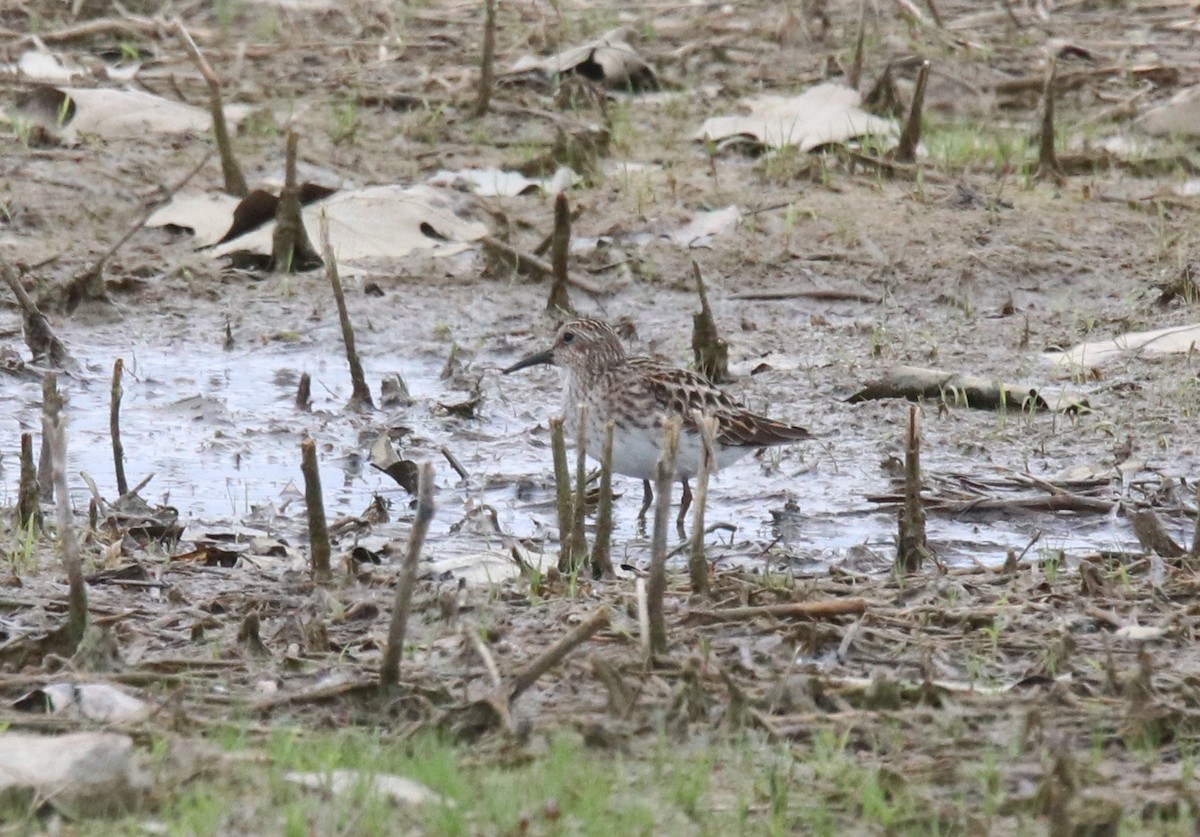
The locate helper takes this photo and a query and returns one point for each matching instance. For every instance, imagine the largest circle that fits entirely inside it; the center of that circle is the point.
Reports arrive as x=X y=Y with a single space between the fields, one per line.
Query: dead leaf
x=822 y=115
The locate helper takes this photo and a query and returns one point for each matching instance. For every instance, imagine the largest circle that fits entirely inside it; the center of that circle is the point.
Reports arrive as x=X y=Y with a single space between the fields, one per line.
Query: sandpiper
x=637 y=394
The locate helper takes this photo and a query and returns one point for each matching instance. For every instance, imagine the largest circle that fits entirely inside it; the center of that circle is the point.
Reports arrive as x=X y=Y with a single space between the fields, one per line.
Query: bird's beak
x=535 y=359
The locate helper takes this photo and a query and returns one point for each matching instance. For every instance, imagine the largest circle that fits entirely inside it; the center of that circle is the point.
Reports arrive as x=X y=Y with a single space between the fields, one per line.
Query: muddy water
x=220 y=432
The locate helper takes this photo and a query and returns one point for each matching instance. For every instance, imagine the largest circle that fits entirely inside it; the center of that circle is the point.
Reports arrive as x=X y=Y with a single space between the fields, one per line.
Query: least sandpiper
x=636 y=394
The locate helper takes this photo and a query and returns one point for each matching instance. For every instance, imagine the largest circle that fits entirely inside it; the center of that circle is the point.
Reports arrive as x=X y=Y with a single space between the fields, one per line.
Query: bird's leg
x=685 y=502
x=647 y=499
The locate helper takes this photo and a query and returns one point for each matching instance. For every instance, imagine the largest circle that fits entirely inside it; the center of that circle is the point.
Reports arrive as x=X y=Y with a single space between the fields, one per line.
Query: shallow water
x=221 y=434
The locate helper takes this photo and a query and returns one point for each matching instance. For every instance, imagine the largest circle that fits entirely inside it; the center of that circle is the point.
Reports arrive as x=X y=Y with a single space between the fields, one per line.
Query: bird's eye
x=568 y=337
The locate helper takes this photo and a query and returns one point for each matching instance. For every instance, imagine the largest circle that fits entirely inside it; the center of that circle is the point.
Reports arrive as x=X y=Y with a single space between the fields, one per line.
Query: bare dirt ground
x=1057 y=693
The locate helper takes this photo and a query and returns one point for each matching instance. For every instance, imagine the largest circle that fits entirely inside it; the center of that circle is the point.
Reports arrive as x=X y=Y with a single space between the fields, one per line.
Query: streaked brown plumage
x=637 y=393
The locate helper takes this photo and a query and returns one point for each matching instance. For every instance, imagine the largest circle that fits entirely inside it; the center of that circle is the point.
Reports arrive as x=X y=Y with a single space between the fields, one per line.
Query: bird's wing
x=681 y=392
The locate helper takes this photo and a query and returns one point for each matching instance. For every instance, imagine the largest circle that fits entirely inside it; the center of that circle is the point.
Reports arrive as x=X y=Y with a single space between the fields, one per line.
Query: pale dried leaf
x=1164 y=341
x=825 y=114
x=379 y=222
x=207 y=215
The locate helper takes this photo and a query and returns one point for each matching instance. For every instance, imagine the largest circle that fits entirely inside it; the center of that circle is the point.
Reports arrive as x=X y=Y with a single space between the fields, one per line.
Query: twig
x=562 y=492
x=933 y=11
x=601 y=558
x=87 y=284
x=553 y=655
x=579 y=550
x=487 y=64
x=697 y=562
x=454 y=463
x=54 y=430
x=50 y=396
x=790 y=610
x=471 y=632
x=657 y=587
x=235 y=182
x=532 y=264
x=911 y=546
x=910 y=137
x=360 y=395
x=560 y=248
x=39 y=337
x=114 y=427
x=389 y=671
x=318 y=531
x=122 y=27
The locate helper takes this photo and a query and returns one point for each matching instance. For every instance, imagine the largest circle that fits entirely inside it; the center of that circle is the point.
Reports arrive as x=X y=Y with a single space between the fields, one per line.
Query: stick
x=487 y=64
x=318 y=531
x=697 y=563
x=656 y=589
x=553 y=655
x=910 y=546
x=601 y=558
x=235 y=182
x=55 y=432
x=471 y=632
x=559 y=249
x=389 y=672
x=114 y=427
x=85 y=284
x=562 y=492
x=910 y=137
x=532 y=264
x=454 y=463
x=360 y=396
x=643 y=612
x=790 y=610
x=578 y=536
x=38 y=336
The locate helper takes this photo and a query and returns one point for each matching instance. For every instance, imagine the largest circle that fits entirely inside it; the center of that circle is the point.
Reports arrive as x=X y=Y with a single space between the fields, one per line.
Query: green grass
x=734 y=783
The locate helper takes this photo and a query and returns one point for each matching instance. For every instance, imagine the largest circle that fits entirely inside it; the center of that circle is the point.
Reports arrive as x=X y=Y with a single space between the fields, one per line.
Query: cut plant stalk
x=235 y=181
x=487 y=63
x=360 y=394
x=656 y=588
x=318 y=530
x=29 y=510
x=1196 y=529
x=709 y=351
x=304 y=393
x=114 y=427
x=697 y=562
x=389 y=671
x=911 y=547
x=601 y=550
x=559 y=302
x=55 y=432
x=910 y=137
x=291 y=249
x=854 y=77
x=1048 y=167
x=39 y=337
x=579 y=549
x=562 y=493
